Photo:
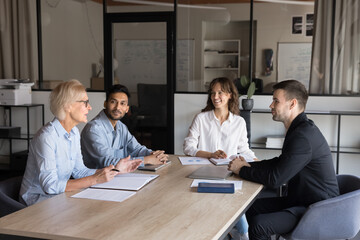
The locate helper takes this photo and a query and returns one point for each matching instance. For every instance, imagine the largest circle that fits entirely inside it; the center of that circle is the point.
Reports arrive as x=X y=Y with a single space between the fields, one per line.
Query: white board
x=294 y=62
x=144 y=61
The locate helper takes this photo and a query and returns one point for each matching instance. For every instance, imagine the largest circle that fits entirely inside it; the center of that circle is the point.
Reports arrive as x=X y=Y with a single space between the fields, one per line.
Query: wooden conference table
x=166 y=208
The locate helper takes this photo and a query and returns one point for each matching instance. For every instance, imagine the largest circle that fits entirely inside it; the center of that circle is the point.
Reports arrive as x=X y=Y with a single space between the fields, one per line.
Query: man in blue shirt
x=105 y=140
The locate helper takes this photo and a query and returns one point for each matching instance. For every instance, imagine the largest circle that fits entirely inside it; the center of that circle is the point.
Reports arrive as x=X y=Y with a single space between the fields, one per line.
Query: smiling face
x=219 y=98
x=117 y=106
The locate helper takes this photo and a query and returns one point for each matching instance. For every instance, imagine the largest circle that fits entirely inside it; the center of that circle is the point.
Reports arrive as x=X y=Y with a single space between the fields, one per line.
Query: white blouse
x=207 y=134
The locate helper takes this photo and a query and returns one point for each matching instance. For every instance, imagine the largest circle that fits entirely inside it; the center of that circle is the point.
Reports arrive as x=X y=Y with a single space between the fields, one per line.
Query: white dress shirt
x=207 y=134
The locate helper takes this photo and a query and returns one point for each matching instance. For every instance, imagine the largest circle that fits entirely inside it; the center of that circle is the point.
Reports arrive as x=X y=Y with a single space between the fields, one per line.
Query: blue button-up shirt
x=54 y=156
x=103 y=145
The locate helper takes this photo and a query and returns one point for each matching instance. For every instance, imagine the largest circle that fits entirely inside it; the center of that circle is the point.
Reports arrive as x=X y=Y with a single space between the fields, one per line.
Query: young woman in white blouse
x=218 y=131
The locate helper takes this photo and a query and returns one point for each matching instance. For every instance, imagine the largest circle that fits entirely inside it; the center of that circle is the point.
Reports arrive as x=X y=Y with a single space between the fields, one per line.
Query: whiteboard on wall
x=144 y=61
x=294 y=62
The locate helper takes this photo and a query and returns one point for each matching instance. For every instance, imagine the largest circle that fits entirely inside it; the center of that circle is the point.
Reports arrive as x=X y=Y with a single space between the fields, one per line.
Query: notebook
x=150 y=167
x=205 y=187
x=210 y=172
x=226 y=161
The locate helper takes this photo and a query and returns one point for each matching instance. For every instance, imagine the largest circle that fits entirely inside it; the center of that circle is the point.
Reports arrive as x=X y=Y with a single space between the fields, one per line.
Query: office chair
x=334 y=218
x=152 y=115
x=9 y=195
x=152 y=99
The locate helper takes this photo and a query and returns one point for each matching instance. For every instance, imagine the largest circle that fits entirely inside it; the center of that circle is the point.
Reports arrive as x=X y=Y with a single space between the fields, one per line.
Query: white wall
x=187 y=105
x=72 y=39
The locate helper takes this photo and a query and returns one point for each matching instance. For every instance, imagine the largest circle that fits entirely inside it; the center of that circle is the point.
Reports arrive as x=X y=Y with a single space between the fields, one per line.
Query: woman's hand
x=219 y=154
x=105 y=174
x=126 y=165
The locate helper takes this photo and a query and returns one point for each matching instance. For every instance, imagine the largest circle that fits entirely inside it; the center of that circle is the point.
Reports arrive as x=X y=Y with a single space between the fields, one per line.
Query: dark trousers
x=268 y=216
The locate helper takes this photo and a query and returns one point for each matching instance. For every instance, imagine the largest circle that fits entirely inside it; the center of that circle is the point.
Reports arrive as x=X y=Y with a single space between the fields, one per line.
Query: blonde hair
x=63 y=95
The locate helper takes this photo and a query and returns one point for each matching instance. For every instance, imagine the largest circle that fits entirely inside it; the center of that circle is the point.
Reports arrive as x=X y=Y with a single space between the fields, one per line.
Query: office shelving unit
x=221 y=59
x=337 y=148
x=15 y=157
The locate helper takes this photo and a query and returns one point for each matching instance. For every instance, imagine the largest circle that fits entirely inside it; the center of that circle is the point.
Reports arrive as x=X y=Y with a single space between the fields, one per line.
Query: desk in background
x=166 y=208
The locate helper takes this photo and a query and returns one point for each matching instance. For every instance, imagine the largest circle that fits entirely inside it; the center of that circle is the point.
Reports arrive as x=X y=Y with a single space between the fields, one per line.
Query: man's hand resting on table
x=156 y=157
x=236 y=164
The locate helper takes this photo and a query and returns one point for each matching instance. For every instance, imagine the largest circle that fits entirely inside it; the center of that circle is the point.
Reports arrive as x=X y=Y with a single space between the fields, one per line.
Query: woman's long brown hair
x=229 y=87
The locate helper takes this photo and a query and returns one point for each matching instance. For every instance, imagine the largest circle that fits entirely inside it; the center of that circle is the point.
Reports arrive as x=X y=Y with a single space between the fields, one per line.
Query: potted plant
x=247 y=103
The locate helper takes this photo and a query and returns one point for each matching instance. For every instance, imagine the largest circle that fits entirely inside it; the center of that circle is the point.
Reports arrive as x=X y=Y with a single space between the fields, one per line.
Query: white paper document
x=237 y=184
x=128 y=181
x=225 y=161
x=104 y=194
x=193 y=161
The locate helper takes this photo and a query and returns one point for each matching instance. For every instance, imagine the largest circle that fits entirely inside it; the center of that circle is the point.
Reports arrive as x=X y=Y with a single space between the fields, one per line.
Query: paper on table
x=128 y=181
x=225 y=161
x=104 y=194
x=193 y=161
x=237 y=184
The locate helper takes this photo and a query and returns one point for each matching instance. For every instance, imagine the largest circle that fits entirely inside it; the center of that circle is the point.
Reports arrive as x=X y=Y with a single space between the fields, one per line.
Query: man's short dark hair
x=293 y=89
x=116 y=89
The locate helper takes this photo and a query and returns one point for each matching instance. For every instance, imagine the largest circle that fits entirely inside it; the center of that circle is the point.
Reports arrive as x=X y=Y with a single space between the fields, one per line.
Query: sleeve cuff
x=142 y=158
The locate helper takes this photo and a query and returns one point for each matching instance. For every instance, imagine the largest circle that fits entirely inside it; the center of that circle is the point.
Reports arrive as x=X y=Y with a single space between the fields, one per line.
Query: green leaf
x=251 y=90
x=244 y=81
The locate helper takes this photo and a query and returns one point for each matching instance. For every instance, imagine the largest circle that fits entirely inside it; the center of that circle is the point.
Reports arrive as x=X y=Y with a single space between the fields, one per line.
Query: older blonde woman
x=55 y=152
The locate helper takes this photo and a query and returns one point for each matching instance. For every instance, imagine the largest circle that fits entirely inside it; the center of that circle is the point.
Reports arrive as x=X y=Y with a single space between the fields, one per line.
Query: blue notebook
x=205 y=187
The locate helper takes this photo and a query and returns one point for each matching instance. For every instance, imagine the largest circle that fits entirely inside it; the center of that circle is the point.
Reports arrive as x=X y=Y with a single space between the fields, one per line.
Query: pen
x=114 y=169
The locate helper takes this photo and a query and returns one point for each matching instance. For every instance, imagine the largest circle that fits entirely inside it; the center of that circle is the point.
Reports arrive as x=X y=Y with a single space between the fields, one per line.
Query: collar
x=214 y=118
x=61 y=130
x=299 y=118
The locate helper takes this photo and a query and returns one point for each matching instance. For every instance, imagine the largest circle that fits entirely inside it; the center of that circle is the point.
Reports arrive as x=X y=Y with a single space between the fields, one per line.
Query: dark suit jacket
x=305 y=164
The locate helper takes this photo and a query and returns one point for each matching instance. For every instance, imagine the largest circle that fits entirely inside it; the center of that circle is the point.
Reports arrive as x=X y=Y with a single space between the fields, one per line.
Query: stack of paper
x=128 y=181
x=225 y=161
x=104 y=194
x=193 y=161
x=275 y=141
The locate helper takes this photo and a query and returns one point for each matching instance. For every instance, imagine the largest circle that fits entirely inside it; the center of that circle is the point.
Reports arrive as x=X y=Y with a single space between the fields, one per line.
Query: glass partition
x=213 y=41
x=283 y=41
x=140 y=56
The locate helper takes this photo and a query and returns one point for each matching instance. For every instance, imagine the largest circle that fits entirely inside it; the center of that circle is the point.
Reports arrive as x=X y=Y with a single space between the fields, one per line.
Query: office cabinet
x=221 y=59
x=332 y=129
x=18 y=159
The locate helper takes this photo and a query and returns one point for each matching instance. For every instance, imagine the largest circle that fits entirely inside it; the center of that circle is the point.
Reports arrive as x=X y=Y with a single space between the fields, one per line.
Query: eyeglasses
x=86 y=102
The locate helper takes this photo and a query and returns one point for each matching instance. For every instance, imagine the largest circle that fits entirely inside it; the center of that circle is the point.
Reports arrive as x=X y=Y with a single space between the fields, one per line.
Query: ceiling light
x=153 y=3
x=287 y=2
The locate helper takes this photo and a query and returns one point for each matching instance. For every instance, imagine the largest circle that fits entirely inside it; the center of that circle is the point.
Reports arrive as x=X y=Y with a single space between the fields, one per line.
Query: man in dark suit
x=305 y=164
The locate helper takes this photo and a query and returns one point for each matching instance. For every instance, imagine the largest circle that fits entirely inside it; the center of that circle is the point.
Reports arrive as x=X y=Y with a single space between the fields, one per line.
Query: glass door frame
x=142 y=17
